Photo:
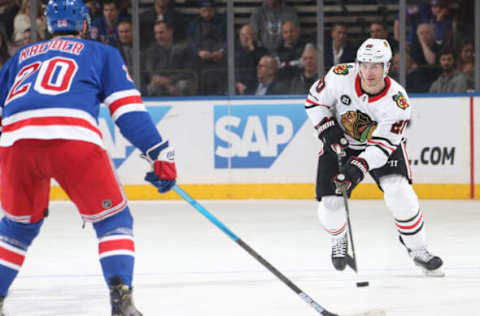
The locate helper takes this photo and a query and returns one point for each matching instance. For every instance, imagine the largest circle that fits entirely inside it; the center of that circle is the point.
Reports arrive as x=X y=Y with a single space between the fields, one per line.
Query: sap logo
x=254 y=136
x=118 y=147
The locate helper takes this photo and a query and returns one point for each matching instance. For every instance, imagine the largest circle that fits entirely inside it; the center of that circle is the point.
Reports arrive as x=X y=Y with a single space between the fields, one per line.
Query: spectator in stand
x=94 y=8
x=4 y=53
x=305 y=76
x=466 y=63
x=163 y=10
x=290 y=52
x=451 y=80
x=247 y=54
x=267 y=81
x=125 y=42
x=123 y=7
x=207 y=33
x=419 y=79
x=338 y=50
x=379 y=30
x=416 y=14
x=207 y=24
x=267 y=21
x=442 y=21
x=8 y=11
x=425 y=49
x=169 y=65
x=436 y=12
x=22 y=22
x=104 y=29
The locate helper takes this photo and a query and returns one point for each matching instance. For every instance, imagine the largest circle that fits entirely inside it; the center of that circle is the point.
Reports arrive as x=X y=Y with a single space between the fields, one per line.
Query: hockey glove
x=331 y=134
x=351 y=174
x=162 y=159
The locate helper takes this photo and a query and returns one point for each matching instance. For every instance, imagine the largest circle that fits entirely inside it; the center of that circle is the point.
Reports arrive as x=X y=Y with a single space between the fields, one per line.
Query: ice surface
x=186 y=266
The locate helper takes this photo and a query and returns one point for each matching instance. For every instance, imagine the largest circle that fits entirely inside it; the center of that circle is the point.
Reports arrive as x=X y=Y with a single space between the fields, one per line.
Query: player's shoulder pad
x=399 y=96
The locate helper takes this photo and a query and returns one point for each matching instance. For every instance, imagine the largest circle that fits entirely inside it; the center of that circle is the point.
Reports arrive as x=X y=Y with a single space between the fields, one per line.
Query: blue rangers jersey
x=53 y=90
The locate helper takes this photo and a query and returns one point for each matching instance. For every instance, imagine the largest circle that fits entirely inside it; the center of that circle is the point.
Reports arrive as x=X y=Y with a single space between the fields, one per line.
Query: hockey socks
x=117 y=257
x=412 y=231
x=11 y=260
x=116 y=247
x=15 y=238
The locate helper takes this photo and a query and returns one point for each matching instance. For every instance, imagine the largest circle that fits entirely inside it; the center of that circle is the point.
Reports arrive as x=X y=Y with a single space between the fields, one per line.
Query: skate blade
x=437 y=273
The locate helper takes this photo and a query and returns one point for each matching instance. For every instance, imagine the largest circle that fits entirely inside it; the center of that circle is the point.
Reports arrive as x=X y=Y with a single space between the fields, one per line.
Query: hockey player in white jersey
x=360 y=108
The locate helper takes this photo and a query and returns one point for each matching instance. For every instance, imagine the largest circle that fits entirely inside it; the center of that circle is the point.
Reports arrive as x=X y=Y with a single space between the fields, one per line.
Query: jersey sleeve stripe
x=135 y=107
x=120 y=95
x=312 y=104
x=114 y=106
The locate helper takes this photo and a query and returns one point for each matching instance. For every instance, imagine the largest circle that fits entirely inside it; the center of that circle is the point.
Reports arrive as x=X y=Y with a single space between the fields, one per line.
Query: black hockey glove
x=331 y=134
x=351 y=174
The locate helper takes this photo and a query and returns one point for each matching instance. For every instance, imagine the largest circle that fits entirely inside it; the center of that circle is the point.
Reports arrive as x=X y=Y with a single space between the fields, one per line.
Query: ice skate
x=339 y=252
x=121 y=299
x=431 y=265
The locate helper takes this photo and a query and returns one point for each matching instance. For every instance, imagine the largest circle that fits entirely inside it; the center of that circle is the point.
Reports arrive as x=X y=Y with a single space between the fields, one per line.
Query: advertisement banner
x=271 y=142
x=439 y=140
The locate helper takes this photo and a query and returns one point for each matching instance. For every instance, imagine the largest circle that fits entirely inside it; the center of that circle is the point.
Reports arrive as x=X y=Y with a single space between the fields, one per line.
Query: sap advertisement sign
x=254 y=136
x=241 y=141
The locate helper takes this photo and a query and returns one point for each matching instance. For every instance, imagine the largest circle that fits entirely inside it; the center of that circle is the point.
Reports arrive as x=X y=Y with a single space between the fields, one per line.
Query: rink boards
x=240 y=148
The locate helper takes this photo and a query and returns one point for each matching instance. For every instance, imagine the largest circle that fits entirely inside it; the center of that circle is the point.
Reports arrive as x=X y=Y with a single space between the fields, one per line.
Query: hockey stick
x=252 y=252
x=320 y=309
x=351 y=260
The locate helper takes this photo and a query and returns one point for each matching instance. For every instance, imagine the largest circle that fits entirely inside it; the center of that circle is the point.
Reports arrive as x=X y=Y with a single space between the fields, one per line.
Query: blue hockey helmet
x=66 y=15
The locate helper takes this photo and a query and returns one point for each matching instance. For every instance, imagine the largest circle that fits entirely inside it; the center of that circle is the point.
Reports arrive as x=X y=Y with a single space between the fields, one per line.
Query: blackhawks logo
x=358 y=125
x=341 y=69
x=400 y=100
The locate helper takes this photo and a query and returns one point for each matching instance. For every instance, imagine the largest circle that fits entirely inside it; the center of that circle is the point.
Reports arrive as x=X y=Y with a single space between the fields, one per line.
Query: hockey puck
x=362 y=284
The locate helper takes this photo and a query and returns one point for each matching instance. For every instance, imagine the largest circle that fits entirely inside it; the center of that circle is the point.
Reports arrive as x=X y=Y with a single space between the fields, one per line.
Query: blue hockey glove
x=351 y=174
x=162 y=159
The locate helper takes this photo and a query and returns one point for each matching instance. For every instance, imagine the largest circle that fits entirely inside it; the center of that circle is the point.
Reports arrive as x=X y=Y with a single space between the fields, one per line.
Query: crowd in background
x=184 y=55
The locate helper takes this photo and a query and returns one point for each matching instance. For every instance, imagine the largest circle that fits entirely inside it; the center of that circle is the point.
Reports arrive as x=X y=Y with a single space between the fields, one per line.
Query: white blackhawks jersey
x=374 y=124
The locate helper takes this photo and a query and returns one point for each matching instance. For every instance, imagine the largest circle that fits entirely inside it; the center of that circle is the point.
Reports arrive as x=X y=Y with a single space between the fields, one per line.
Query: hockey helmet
x=375 y=50
x=66 y=15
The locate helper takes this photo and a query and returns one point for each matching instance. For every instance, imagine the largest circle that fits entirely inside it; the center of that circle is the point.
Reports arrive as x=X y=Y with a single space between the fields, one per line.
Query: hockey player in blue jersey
x=50 y=94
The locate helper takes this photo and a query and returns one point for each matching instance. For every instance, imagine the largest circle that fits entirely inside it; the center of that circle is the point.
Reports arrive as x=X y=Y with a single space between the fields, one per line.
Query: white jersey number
x=55 y=76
